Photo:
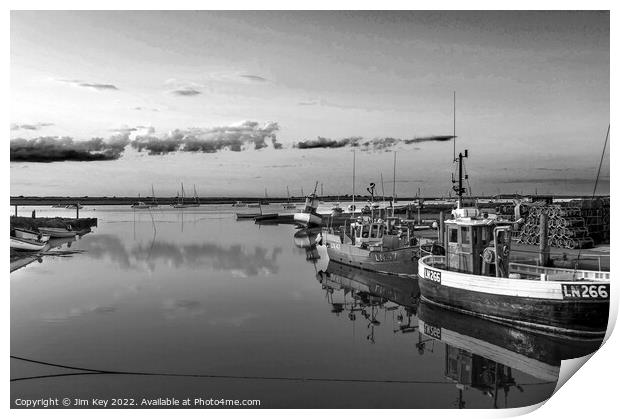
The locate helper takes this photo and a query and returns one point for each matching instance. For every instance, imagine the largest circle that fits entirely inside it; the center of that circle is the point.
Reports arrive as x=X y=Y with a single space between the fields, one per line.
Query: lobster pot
x=579 y=224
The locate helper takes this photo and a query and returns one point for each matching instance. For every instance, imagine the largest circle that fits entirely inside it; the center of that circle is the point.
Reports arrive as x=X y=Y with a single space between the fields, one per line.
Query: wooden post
x=543 y=248
x=16 y=210
x=77 y=210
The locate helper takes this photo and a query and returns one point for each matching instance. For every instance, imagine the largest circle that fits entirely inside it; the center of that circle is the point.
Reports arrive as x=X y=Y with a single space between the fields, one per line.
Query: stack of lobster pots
x=578 y=225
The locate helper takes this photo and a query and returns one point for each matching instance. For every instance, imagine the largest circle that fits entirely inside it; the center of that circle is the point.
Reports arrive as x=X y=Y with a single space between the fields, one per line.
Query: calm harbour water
x=195 y=292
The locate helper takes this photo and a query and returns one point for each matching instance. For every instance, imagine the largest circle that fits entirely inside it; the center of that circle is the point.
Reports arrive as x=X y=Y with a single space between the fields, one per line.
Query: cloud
x=308 y=103
x=370 y=144
x=211 y=140
x=91 y=85
x=430 y=138
x=322 y=142
x=141 y=108
x=54 y=149
x=186 y=91
x=253 y=77
x=30 y=127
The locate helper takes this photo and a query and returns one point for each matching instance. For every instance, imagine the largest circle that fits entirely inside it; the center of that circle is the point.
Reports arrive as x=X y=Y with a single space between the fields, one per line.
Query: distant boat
x=72 y=206
x=26 y=244
x=56 y=232
x=181 y=204
x=140 y=205
x=247 y=215
x=23 y=233
x=254 y=205
x=288 y=204
x=239 y=204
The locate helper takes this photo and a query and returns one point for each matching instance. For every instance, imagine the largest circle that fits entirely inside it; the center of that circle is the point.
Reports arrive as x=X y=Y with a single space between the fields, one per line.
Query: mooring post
x=77 y=210
x=543 y=248
x=16 y=210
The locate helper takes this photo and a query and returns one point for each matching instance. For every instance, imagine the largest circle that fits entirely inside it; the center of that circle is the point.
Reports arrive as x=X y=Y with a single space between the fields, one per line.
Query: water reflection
x=479 y=354
x=239 y=259
x=56 y=247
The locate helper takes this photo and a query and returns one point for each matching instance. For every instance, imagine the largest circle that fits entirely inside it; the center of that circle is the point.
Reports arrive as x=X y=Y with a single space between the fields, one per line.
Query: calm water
x=196 y=292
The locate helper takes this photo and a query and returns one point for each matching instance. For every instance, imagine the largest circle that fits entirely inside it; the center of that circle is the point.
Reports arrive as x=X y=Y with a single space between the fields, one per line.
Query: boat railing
x=558 y=273
x=434 y=261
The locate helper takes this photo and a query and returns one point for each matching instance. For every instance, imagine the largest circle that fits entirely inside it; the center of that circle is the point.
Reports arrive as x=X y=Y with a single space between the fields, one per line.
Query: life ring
x=488 y=255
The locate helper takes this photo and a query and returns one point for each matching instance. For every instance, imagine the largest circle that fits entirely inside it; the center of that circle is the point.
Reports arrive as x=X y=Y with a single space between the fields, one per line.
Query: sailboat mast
x=182 y=192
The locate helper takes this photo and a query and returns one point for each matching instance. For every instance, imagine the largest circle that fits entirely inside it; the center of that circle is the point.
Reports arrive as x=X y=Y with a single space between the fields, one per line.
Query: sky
x=223 y=100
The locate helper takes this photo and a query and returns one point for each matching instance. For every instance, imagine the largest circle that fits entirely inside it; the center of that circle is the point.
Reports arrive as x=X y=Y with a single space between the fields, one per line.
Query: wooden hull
x=397 y=261
x=550 y=306
x=56 y=232
x=27 y=245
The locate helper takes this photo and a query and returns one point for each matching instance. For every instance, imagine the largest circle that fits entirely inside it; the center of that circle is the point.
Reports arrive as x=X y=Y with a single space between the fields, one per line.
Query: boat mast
x=394 y=186
x=182 y=193
x=460 y=190
x=353 y=183
x=153 y=192
x=195 y=194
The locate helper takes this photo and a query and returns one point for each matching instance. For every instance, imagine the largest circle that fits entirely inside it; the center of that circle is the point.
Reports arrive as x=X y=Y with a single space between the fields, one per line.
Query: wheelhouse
x=476 y=245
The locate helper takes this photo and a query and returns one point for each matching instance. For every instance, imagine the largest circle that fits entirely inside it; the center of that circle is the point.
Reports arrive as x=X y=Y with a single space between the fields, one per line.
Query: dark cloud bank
x=244 y=136
x=374 y=144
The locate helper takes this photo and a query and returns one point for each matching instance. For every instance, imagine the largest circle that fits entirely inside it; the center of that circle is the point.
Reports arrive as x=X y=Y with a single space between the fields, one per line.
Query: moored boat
x=381 y=246
x=56 y=232
x=18 y=243
x=23 y=233
x=476 y=277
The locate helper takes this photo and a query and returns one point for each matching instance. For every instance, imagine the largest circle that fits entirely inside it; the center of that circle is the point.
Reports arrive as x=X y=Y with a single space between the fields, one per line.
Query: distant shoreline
x=128 y=200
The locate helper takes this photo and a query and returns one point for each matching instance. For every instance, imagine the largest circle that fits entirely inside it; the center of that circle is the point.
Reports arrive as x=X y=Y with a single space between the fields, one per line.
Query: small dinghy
x=23 y=233
x=26 y=244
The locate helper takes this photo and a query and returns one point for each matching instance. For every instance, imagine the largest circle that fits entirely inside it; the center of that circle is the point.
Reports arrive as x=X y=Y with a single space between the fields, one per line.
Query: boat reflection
x=481 y=354
x=485 y=356
x=54 y=247
x=359 y=292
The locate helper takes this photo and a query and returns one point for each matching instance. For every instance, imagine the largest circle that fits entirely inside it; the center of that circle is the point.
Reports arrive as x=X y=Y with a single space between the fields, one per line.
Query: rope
x=91 y=371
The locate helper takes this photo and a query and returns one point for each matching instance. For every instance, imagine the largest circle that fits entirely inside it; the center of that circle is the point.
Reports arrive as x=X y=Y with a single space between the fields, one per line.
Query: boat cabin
x=387 y=234
x=476 y=244
x=312 y=203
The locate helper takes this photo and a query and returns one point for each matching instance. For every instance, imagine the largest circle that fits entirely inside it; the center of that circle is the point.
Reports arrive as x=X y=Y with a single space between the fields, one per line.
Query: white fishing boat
x=477 y=277
x=309 y=216
x=23 y=233
x=26 y=244
x=239 y=204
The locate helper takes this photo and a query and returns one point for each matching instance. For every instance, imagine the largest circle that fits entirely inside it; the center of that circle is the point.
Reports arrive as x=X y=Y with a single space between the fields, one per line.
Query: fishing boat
x=309 y=216
x=386 y=246
x=18 y=243
x=23 y=233
x=476 y=276
x=57 y=232
x=239 y=204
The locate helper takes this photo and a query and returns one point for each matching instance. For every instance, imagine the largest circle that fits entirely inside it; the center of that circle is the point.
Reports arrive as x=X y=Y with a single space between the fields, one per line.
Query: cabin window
x=381 y=231
x=365 y=231
x=474 y=235
x=375 y=231
x=465 y=235
x=453 y=235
